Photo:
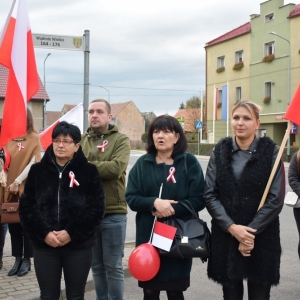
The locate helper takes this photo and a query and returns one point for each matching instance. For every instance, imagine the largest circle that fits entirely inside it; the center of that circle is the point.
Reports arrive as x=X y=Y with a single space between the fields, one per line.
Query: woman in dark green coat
x=166 y=146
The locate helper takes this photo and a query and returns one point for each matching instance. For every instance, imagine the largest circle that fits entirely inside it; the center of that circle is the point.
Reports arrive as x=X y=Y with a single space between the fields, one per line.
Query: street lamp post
x=108 y=92
x=289 y=88
x=45 y=101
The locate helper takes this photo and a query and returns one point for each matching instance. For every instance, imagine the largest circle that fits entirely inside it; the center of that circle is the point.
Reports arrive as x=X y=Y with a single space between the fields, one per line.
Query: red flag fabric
x=74 y=116
x=293 y=111
x=163 y=236
x=17 y=54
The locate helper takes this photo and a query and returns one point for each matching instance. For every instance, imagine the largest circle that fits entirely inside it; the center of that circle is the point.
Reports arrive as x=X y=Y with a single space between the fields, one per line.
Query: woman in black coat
x=294 y=182
x=60 y=209
x=245 y=242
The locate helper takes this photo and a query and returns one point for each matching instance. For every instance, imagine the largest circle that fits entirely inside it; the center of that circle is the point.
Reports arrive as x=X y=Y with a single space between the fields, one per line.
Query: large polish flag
x=74 y=116
x=17 y=54
x=163 y=236
x=293 y=110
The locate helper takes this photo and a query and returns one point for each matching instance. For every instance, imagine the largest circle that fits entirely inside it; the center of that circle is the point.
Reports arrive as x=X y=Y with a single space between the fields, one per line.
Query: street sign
x=294 y=129
x=59 y=42
x=198 y=124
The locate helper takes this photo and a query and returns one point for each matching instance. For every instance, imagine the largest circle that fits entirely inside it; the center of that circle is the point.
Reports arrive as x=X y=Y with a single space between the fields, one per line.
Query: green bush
x=144 y=137
x=206 y=149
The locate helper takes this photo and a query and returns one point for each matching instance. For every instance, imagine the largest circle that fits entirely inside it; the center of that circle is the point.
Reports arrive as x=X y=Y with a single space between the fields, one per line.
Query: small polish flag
x=163 y=236
x=74 y=116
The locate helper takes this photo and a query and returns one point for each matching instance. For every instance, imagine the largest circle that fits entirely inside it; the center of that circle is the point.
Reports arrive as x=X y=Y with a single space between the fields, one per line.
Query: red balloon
x=144 y=262
x=7 y=159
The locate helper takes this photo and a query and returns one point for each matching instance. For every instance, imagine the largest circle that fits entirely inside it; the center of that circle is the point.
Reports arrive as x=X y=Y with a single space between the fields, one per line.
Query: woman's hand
x=242 y=234
x=246 y=250
x=63 y=237
x=12 y=188
x=164 y=208
x=52 y=240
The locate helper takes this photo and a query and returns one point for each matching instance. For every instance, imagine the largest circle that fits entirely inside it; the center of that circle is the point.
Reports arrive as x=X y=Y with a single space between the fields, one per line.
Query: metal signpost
x=79 y=43
x=198 y=126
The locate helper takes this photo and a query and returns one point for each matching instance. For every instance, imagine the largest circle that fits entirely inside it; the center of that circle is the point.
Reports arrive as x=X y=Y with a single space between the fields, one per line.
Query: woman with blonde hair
x=245 y=242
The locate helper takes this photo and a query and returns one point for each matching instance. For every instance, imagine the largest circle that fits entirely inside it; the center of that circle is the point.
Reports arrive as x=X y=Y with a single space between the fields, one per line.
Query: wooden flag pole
x=276 y=163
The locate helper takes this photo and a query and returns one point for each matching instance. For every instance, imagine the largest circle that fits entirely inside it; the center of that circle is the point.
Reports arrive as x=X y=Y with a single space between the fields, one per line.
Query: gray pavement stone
x=27 y=288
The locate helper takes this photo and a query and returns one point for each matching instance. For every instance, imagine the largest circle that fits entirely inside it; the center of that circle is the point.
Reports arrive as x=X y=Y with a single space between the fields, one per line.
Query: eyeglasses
x=65 y=142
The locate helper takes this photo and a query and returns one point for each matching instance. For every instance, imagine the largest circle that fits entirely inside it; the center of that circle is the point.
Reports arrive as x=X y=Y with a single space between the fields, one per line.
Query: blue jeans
x=107 y=267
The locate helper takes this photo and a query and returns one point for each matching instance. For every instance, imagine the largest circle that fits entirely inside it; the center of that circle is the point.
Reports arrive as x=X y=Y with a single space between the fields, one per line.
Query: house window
x=219 y=96
x=221 y=62
x=268 y=89
x=239 y=56
x=269 y=48
x=238 y=93
x=269 y=17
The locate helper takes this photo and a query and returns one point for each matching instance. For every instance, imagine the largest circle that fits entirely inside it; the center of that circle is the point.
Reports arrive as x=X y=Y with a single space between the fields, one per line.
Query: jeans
x=49 y=264
x=256 y=291
x=107 y=267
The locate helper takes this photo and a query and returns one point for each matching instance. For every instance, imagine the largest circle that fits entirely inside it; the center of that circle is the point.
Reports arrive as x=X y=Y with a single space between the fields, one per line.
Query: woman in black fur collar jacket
x=60 y=210
x=245 y=241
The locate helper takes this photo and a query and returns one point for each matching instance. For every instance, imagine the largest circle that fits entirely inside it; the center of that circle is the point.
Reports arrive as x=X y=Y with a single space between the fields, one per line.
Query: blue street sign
x=198 y=124
x=294 y=129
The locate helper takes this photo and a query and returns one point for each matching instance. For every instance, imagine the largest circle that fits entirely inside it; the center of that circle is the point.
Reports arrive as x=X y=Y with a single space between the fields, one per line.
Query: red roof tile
x=190 y=115
x=116 y=108
x=295 y=12
x=3 y=83
x=246 y=28
x=52 y=116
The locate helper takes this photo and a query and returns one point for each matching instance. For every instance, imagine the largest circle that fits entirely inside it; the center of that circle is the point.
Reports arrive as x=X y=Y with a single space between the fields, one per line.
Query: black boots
x=21 y=267
x=25 y=267
x=16 y=267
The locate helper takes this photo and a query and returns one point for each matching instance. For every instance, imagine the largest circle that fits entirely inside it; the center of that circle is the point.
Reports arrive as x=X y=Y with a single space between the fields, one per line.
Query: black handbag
x=192 y=238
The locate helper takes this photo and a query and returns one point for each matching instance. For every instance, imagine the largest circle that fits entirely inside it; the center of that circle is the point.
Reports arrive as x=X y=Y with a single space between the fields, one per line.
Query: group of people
x=73 y=205
x=245 y=241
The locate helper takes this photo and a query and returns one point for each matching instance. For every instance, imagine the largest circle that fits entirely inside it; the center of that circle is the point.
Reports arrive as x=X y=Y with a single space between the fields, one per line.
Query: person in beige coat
x=24 y=151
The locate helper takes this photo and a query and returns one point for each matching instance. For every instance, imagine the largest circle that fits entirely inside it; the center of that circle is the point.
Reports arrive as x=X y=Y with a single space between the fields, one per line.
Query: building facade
x=257 y=61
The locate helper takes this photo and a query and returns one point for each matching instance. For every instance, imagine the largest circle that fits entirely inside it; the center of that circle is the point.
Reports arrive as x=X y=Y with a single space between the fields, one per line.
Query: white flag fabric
x=163 y=236
x=74 y=116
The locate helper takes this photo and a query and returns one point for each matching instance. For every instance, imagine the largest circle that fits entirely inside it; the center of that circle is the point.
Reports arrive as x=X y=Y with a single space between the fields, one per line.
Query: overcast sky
x=150 y=52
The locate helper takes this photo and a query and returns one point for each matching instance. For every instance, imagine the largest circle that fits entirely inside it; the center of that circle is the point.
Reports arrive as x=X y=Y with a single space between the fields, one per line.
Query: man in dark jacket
x=109 y=150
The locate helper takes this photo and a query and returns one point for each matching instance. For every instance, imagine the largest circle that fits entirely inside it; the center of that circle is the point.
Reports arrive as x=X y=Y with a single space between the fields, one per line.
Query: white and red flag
x=163 y=236
x=74 y=116
x=17 y=54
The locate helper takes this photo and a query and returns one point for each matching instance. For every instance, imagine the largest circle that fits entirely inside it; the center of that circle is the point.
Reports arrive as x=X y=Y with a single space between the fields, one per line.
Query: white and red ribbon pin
x=20 y=146
x=171 y=175
x=73 y=180
x=104 y=144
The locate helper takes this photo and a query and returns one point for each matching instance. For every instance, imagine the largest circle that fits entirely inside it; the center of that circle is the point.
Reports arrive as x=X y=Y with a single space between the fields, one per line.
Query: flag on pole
x=17 y=54
x=163 y=236
x=224 y=102
x=74 y=116
x=217 y=102
x=293 y=111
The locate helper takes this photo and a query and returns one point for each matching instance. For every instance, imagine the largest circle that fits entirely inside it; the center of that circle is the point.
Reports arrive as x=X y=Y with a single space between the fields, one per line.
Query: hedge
x=205 y=149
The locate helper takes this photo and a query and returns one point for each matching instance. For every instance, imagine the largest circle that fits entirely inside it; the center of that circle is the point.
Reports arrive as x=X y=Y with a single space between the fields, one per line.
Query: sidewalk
x=26 y=287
